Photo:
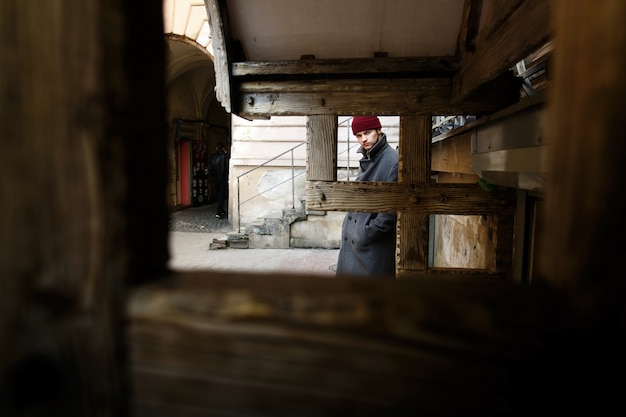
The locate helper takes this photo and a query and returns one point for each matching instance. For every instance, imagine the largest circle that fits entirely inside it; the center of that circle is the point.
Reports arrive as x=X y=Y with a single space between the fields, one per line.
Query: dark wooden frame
x=92 y=323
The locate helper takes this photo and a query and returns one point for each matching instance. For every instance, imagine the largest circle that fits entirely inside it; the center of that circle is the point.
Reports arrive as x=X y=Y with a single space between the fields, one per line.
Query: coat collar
x=381 y=144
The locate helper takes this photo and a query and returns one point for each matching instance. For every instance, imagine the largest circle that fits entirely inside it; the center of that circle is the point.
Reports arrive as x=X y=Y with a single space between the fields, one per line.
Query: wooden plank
x=454 y=178
x=286 y=345
x=412 y=244
x=469 y=26
x=503 y=243
x=414 y=167
x=506 y=41
x=585 y=222
x=390 y=197
x=221 y=42
x=443 y=66
x=322 y=147
x=385 y=96
x=75 y=104
x=415 y=142
x=453 y=155
x=495 y=13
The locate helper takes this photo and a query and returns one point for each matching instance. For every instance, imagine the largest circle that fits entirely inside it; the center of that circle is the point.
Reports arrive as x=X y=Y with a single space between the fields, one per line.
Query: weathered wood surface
x=411 y=244
x=222 y=42
x=443 y=66
x=585 y=224
x=263 y=345
x=414 y=149
x=387 y=197
x=80 y=163
x=509 y=33
x=321 y=148
x=454 y=155
x=383 y=96
x=63 y=255
x=413 y=167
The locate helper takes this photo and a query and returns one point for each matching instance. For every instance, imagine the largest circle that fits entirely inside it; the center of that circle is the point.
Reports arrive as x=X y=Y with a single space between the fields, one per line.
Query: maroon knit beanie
x=361 y=123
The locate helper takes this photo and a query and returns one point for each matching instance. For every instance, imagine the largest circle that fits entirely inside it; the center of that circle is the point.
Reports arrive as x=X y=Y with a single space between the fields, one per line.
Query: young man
x=368 y=240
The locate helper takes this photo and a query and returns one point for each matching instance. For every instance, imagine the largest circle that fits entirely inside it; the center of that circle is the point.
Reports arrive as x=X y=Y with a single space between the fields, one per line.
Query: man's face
x=368 y=138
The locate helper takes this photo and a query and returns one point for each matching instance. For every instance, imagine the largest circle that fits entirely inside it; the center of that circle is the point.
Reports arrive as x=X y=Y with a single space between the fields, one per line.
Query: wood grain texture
x=585 y=223
x=64 y=241
x=382 y=96
x=513 y=31
x=221 y=41
x=378 y=197
x=443 y=66
x=454 y=155
x=261 y=345
x=414 y=167
x=321 y=148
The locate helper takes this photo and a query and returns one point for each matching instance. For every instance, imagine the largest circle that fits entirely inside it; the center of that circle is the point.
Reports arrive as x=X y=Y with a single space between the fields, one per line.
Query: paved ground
x=193 y=229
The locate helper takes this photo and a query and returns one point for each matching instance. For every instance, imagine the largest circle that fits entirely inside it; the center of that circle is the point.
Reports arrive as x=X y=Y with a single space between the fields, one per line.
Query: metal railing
x=292 y=179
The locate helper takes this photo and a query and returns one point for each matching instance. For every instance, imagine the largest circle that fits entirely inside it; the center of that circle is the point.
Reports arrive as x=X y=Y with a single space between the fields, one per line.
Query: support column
x=414 y=167
x=321 y=140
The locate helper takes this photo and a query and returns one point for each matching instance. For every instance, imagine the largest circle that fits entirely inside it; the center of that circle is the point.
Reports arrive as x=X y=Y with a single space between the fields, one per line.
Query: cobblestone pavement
x=199 y=219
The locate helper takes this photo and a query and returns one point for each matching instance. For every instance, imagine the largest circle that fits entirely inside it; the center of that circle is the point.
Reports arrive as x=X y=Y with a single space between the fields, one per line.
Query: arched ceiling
x=184 y=55
x=187 y=34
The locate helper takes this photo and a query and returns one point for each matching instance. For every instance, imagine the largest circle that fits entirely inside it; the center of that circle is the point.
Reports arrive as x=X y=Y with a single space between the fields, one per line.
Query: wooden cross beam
x=414 y=197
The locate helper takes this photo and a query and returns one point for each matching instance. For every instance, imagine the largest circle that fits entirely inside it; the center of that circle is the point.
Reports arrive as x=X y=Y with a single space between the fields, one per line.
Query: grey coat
x=368 y=240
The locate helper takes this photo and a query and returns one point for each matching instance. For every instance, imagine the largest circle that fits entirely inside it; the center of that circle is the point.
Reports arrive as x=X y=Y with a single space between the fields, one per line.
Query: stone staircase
x=269 y=233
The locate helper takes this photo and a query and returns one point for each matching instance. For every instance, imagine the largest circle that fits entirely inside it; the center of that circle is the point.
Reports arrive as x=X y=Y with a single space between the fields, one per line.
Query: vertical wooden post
x=585 y=229
x=414 y=167
x=83 y=194
x=321 y=133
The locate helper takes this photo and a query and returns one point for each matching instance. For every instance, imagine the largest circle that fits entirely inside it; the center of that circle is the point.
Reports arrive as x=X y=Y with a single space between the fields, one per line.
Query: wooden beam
x=387 y=96
x=469 y=26
x=78 y=132
x=414 y=167
x=391 y=197
x=503 y=243
x=221 y=43
x=415 y=142
x=516 y=30
x=321 y=148
x=252 y=345
x=444 y=66
x=585 y=221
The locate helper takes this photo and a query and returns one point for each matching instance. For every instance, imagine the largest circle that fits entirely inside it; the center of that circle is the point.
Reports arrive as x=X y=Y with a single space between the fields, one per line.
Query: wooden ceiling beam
x=219 y=21
x=511 y=32
x=444 y=66
x=384 y=96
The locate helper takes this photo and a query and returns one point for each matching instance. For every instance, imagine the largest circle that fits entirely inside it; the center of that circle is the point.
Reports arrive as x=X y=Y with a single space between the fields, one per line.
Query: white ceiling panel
x=287 y=29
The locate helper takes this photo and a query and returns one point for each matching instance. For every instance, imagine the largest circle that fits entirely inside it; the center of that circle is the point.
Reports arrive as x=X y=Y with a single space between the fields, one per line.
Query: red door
x=184 y=166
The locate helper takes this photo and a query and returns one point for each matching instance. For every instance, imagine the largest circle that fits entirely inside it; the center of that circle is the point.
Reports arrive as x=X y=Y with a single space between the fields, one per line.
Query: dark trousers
x=222 y=191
